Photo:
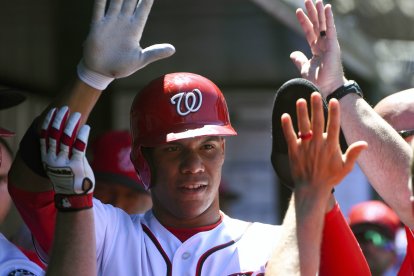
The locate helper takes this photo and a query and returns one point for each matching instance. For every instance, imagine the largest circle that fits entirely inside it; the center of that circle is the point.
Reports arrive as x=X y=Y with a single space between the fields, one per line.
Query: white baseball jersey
x=140 y=245
x=14 y=262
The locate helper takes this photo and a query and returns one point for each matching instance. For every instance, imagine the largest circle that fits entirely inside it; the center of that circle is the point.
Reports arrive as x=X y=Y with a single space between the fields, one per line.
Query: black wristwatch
x=349 y=87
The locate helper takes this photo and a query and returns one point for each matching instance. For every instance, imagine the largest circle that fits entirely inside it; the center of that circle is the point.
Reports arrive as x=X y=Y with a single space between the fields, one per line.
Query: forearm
x=80 y=97
x=74 y=246
x=386 y=160
x=285 y=258
x=309 y=204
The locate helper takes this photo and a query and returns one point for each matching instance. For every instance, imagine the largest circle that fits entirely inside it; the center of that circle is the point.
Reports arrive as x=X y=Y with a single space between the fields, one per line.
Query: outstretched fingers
x=98 y=11
x=321 y=18
x=333 y=124
x=313 y=17
x=69 y=134
x=304 y=124
x=128 y=7
x=157 y=52
x=289 y=133
x=79 y=147
x=55 y=130
x=352 y=153
x=307 y=27
x=318 y=119
x=330 y=23
x=141 y=14
x=114 y=8
x=47 y=122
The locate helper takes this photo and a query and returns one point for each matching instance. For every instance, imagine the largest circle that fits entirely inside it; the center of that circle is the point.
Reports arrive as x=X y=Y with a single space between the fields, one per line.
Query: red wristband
x=69 y=203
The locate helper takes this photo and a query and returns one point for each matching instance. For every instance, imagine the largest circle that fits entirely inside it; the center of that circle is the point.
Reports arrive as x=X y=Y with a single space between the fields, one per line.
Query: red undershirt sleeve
x=38 y=212
x=340 y=251
x=407 y=267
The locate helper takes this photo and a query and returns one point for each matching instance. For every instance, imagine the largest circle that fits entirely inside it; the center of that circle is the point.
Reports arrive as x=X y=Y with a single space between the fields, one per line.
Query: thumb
x=352 y=153
x=157 y=52
x=299 y=59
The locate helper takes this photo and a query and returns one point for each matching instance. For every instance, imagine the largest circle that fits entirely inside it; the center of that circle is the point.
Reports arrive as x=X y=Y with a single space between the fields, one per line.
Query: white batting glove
x=112 y=49
x=64 y=160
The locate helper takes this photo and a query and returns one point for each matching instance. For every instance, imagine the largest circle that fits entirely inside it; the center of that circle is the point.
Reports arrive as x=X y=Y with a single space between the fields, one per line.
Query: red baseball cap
x=9 y=97
x=374 y=212
x=111 y=159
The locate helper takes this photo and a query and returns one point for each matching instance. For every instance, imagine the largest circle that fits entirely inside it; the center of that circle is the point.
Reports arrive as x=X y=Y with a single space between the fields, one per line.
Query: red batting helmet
x=172 y=107
x=374 y=212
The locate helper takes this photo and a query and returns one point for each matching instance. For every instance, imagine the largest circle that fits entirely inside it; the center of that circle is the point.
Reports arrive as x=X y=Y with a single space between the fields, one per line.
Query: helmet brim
x=207 y=130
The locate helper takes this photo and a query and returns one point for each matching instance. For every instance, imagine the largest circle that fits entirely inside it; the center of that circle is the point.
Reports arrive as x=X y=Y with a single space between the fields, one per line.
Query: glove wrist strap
x=70 y=203
x=93 y=79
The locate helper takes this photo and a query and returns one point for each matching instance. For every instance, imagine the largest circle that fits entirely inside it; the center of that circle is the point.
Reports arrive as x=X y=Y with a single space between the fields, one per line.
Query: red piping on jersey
x=208 y=253
x=159 y=247
x=217 y=248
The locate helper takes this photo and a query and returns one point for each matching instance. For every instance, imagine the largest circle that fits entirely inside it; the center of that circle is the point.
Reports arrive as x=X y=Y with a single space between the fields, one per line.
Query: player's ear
x=223 y=145
x=148 y=154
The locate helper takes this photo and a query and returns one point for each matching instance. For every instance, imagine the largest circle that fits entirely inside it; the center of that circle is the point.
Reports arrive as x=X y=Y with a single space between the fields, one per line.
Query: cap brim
x=285 y=102
x=120 y=179
x=6 y=133
x=10 y=97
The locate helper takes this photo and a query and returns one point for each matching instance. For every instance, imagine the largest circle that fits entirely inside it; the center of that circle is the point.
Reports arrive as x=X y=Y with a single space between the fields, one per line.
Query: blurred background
x=242 y=45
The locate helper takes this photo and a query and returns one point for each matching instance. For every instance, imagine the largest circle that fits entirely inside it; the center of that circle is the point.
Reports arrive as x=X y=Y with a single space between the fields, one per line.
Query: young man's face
x=185 y=180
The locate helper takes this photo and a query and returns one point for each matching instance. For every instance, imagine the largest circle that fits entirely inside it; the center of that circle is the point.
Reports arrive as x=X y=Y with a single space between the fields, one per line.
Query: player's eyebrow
x=213 y=139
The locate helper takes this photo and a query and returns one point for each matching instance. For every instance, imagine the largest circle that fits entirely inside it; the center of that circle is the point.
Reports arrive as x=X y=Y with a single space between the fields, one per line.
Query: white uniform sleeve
x=14 y=262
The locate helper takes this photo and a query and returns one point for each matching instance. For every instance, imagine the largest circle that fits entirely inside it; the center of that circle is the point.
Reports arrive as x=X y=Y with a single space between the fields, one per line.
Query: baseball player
x=178 y=125
x=12 y=260
x=375 y=226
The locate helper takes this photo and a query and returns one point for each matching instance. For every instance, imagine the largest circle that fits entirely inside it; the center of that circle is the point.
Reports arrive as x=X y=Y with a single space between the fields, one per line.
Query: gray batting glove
x=112 y=49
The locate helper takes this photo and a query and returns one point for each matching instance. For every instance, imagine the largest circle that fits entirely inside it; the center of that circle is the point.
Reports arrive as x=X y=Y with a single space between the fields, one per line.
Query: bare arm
x=386 y=161
x=73 y=250
x=285 y=258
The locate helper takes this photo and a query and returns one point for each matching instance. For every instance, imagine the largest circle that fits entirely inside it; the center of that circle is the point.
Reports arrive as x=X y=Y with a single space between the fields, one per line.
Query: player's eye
x=208 y=146
x=172 y=148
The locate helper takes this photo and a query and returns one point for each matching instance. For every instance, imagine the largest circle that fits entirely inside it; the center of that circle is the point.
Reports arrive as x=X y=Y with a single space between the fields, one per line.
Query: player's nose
x=191 y=162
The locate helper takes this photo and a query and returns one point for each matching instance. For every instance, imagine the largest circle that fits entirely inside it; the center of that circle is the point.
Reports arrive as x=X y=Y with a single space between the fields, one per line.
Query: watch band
x=349 y=87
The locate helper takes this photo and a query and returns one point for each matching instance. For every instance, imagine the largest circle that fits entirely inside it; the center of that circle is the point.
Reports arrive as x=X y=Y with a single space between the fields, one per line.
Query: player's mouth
x=194 y=187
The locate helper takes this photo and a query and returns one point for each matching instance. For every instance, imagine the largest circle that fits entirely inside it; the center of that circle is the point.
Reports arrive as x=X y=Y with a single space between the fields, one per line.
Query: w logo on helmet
x=187 y=102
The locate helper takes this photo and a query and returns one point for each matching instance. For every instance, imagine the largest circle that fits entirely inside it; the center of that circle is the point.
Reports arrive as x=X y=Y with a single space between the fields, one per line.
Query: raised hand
x=324 y=68
x=112 y=48
x=316 y=159
x=63 y=156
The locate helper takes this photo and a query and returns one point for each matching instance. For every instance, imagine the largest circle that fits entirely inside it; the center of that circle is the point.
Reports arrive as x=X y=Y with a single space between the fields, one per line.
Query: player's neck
x=184 y=234
x=209 y=217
